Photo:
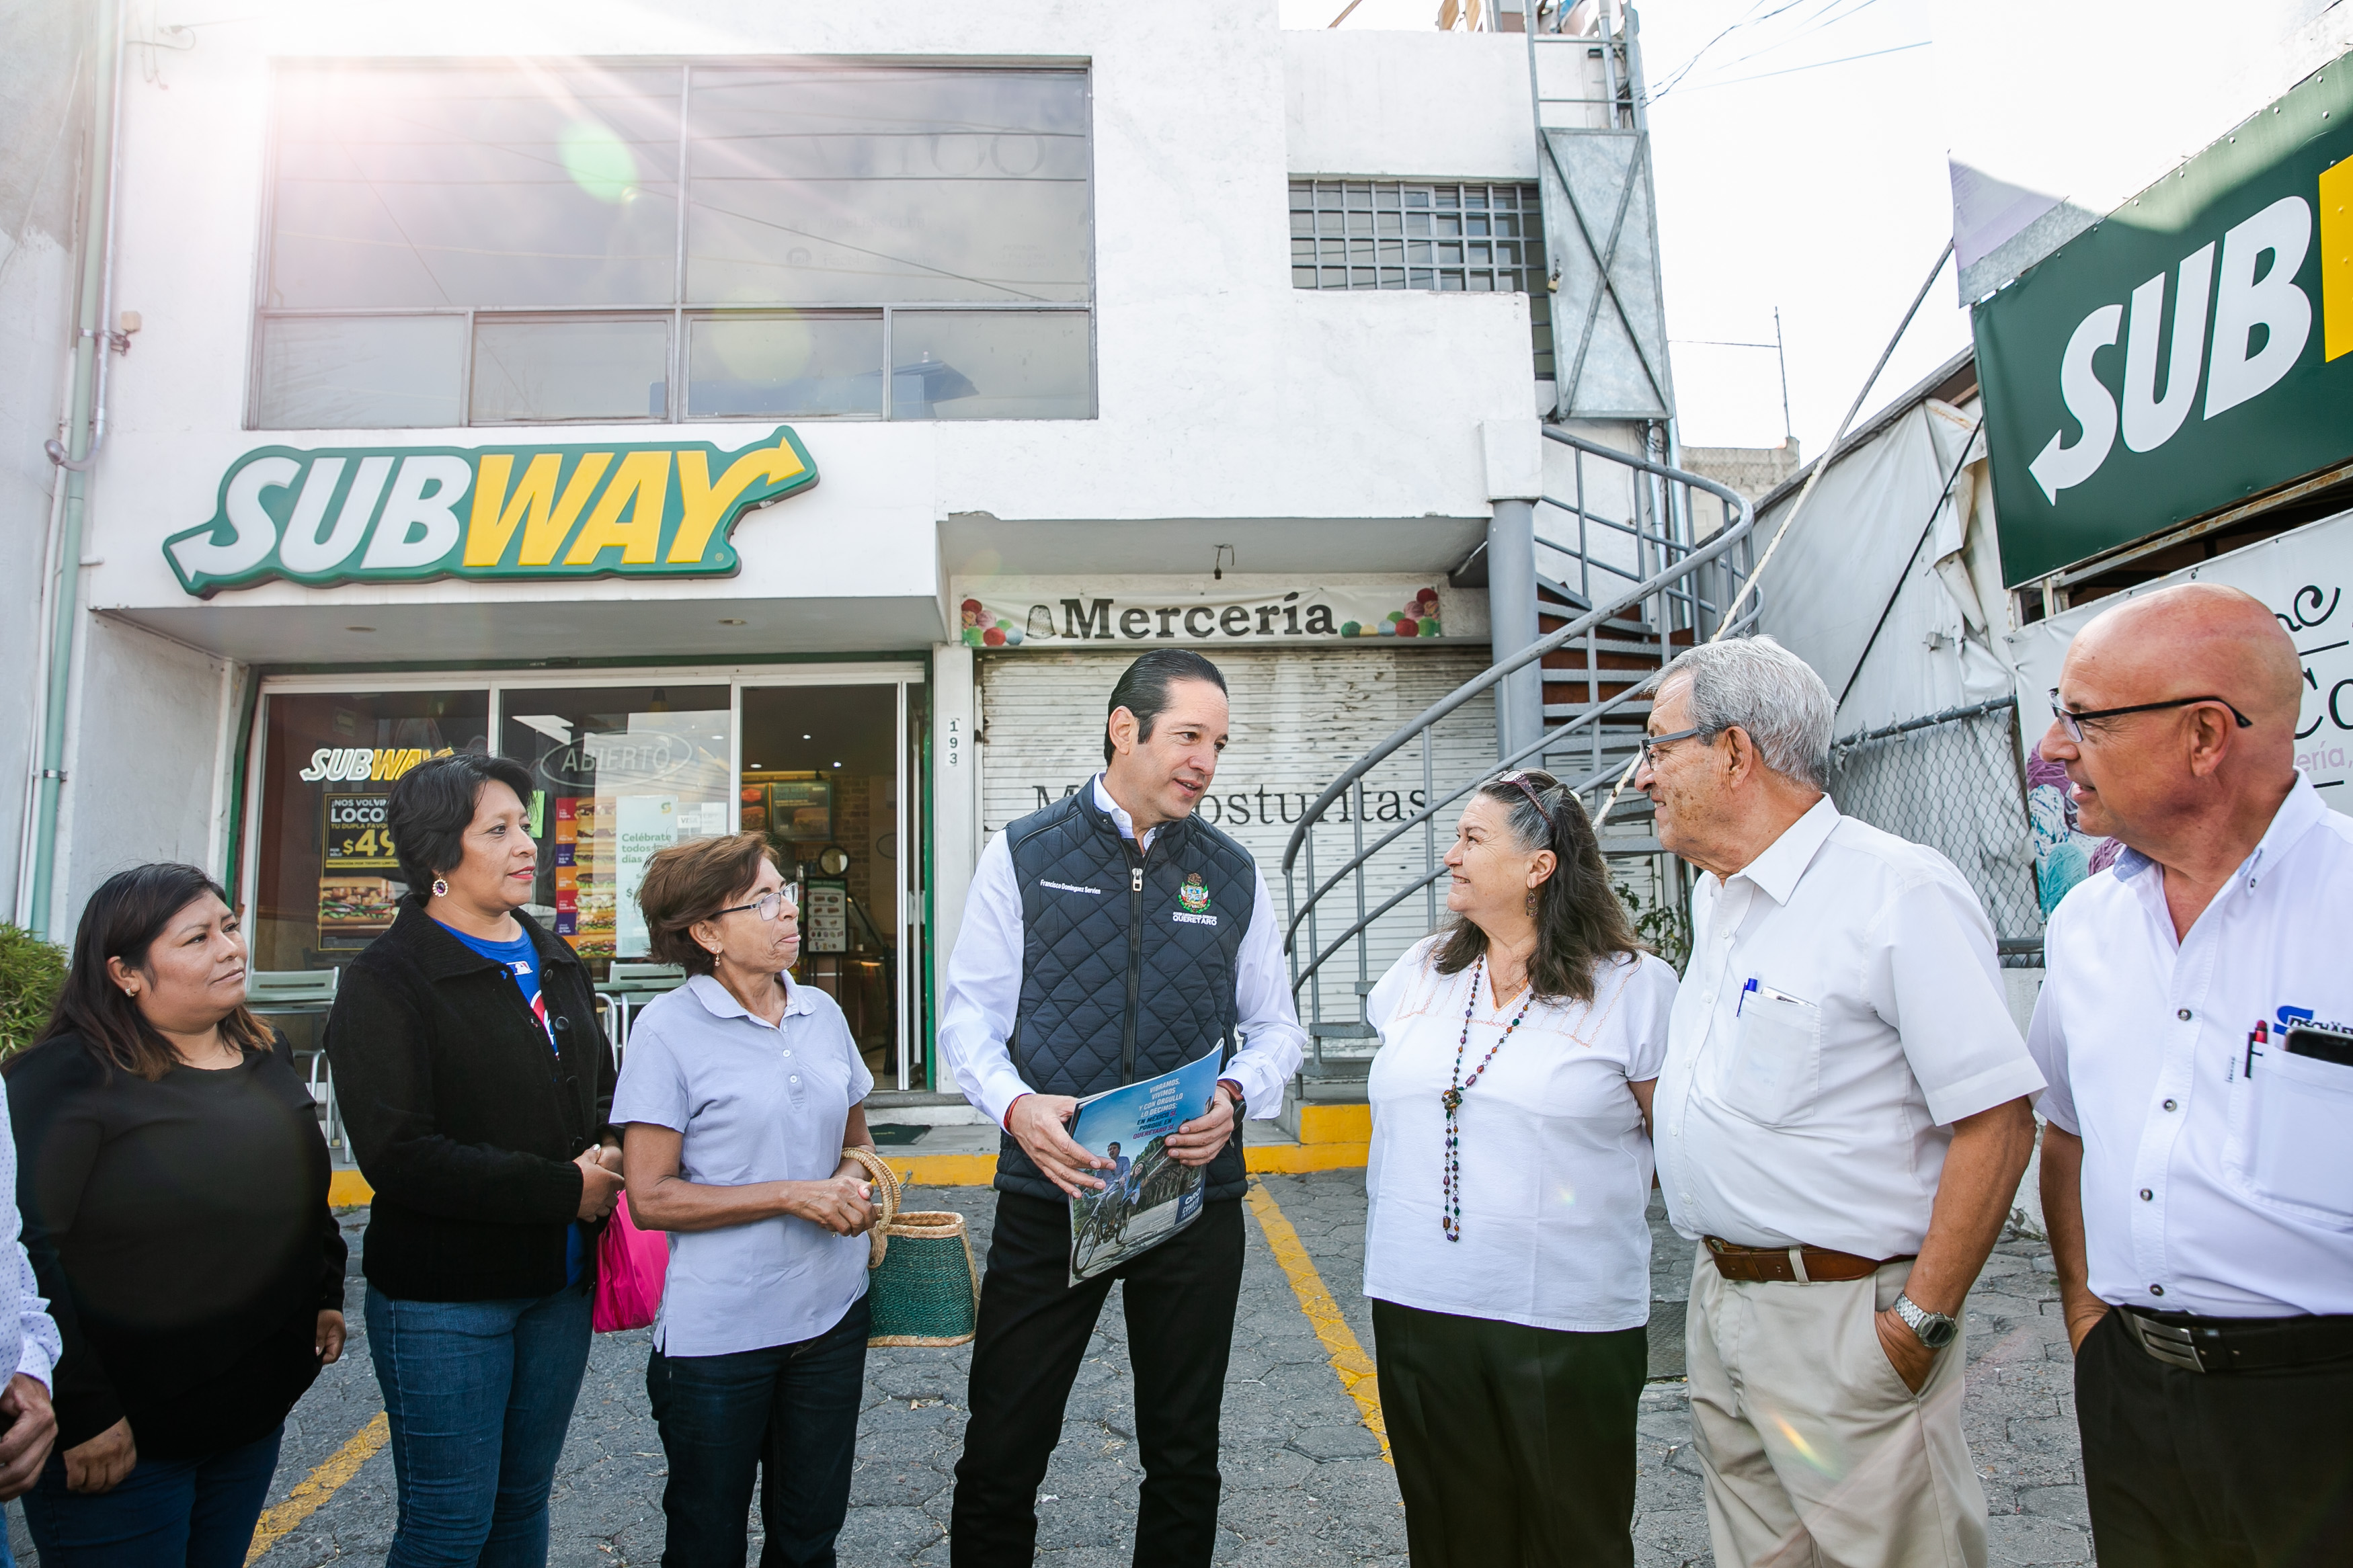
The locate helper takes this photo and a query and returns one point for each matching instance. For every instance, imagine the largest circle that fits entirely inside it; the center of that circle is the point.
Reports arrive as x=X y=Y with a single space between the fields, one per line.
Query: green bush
x=31 y=971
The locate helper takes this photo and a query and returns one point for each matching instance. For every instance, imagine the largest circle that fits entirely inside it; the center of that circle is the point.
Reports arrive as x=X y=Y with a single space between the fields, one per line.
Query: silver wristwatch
x=1935 y=1329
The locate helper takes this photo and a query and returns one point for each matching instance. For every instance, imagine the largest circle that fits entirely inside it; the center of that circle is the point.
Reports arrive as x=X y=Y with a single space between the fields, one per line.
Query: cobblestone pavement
x=1304 y=1480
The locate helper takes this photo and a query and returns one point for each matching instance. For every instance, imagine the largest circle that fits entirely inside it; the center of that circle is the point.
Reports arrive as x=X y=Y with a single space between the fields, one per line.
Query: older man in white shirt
x=1842 y=1119
x=2197 y=1028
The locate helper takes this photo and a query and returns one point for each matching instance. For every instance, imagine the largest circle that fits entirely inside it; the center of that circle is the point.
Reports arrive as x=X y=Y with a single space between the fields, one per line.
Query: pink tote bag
x=631 y=1264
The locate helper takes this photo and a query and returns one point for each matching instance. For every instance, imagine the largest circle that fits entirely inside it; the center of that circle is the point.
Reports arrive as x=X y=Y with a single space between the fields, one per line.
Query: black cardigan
x=464 y=1122
x=180 y=1229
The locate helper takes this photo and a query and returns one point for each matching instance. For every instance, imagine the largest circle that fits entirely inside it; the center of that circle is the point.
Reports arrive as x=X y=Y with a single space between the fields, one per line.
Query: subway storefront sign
x=2192 y=349
x=374 y=514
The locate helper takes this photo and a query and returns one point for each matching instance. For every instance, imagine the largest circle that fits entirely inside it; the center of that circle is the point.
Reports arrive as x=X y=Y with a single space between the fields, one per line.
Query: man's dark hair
x=432 y=805
x=1142 y=689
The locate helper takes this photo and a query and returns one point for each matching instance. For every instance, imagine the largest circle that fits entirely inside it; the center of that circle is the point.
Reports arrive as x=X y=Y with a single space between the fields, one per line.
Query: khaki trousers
x=1816 y=1455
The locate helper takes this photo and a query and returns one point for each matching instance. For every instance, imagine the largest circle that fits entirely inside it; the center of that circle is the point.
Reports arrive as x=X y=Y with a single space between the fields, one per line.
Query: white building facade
x=765 y=419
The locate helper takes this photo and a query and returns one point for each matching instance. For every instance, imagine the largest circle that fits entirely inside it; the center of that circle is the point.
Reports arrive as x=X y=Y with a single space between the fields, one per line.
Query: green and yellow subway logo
x=407 y=514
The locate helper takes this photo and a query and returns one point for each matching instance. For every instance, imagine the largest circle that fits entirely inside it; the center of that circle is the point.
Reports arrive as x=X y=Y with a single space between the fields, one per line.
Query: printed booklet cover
x=1146 y=1195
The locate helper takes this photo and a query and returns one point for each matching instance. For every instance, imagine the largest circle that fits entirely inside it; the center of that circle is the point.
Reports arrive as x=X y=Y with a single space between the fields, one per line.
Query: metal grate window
x=1397 y=234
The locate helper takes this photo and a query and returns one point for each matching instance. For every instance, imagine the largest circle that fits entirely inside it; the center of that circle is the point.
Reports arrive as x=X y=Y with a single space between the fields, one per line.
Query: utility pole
x=1787 y=433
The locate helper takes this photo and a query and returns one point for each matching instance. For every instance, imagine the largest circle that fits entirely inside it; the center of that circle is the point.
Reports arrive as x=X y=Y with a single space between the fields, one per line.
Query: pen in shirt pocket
x=1746 y=992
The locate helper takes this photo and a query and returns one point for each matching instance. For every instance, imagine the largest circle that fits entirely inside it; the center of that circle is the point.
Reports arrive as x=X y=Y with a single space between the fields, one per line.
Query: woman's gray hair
x=1762 y=688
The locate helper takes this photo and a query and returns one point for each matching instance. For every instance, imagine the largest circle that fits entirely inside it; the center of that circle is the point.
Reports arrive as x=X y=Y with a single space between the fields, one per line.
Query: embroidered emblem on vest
x=1193 y=895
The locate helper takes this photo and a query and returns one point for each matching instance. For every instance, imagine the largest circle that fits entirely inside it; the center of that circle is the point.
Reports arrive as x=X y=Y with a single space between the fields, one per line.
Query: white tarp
x=1857 y=564
x=2304 y=576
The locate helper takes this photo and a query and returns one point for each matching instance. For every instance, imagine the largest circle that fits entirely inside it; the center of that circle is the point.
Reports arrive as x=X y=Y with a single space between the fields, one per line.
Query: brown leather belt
x=1792 y=1265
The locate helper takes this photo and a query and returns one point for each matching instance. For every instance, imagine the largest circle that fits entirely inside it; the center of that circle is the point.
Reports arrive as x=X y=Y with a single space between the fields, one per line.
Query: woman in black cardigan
x=174 y=1183
x=475 y=1084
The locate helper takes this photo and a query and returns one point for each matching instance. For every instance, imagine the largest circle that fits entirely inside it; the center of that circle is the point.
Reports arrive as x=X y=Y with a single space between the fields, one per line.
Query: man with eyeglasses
x=1841 y=1119
x=2197 y=1028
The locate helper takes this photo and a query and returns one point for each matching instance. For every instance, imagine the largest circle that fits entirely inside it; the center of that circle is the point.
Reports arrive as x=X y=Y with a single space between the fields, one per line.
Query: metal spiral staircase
x=1627 y=572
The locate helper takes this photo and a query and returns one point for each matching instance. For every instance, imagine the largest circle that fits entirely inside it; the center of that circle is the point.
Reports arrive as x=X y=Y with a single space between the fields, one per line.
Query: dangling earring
x=441 y=887
x=1532 y=900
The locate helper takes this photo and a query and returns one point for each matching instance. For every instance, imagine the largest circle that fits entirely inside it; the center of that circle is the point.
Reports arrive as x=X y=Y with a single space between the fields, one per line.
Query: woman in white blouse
x=1506 y=1250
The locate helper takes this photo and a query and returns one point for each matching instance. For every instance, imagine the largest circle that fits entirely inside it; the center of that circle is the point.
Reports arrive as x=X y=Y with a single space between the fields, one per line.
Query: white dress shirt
x=1556 y=1165
x=29 y=1340
x=2208 y=1188
x=985 y=989
x=1842 y=1009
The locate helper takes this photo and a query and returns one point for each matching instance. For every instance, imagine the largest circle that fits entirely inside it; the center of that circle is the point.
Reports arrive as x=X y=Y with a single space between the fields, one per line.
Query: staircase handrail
x=1730 y=534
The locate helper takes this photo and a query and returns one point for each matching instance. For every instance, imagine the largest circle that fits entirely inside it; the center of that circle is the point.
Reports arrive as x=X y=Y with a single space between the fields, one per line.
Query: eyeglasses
x=2073 y=721
x=1654 y=744
x=769 y=905
x=1519 y=781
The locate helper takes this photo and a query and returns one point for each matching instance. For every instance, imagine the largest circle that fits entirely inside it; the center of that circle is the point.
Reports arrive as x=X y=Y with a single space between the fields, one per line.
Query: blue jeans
x=478 y=1394
x=792 y=1409
x=166 y=1514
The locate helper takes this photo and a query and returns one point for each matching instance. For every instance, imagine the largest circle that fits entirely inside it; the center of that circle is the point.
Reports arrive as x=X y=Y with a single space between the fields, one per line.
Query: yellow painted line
x=1298 y=1158
x=943 y=1170
x=318 y=1486
x=1348 y=1358
x=2336 y=259
x=1335 y=1123
x=348 y=1189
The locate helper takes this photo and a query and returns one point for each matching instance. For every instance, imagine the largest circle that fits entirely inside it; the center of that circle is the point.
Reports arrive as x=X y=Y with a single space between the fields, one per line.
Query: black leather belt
x=2238 y=1344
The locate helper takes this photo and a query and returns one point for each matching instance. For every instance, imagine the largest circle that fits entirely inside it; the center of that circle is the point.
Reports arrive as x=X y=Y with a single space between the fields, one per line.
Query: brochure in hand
x=1147 y=1196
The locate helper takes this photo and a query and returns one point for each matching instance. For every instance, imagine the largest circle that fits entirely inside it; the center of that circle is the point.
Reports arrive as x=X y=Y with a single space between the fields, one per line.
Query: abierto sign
x=2194 y=348
x=405 y=514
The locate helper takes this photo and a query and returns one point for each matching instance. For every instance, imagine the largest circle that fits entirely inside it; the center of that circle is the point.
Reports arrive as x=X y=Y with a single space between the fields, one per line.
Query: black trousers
x=1033 y=1331
x=1514 y=1446
x=2234 y=1469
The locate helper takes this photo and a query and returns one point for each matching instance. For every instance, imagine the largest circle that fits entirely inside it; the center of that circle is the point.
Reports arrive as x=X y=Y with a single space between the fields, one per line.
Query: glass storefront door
x=622 y=773
x=821 y=760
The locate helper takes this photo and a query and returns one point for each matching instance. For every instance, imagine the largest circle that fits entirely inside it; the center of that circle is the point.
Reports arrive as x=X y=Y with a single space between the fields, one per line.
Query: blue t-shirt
x=521 y=961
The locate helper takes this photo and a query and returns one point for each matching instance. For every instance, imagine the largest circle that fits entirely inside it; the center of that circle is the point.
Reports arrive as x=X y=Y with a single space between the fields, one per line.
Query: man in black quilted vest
x=1113 y=936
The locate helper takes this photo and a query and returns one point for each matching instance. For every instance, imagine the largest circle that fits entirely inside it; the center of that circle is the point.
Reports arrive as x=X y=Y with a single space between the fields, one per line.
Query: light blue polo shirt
x=756 y=1103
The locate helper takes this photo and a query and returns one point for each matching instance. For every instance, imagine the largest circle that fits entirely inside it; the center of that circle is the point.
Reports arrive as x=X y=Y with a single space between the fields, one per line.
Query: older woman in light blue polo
x=739 y=1094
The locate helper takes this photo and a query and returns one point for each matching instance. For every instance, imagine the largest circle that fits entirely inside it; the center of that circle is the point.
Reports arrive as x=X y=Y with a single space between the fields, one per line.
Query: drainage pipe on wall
x=85 y=427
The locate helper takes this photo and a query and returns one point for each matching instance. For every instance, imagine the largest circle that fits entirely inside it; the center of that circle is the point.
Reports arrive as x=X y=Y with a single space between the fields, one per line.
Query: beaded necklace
x=1450 y=1186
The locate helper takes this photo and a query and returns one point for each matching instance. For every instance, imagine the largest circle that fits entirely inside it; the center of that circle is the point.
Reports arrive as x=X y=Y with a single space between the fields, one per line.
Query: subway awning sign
x=405 y=514
x=2192 y=349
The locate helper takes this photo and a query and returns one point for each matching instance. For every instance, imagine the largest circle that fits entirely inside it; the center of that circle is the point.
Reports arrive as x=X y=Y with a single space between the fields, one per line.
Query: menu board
x=356 y=897
x=788 y=805
x=825 y=917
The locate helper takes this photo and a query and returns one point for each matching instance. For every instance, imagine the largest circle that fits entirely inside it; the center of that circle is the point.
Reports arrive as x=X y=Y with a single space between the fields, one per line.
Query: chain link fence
x=1951 y=781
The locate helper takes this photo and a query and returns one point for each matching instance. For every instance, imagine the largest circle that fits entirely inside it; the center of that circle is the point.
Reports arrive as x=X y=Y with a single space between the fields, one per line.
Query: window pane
x=570 y=370
x=525 y=186
x=818 y=187
x=990 y=364
x=327 y=877
x=785 y=366
x=623 y=772
x=369 y=372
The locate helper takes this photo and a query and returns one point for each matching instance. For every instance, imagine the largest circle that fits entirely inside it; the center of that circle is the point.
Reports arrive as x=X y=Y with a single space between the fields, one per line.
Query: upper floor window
x=481 y=245
x=1405 y=234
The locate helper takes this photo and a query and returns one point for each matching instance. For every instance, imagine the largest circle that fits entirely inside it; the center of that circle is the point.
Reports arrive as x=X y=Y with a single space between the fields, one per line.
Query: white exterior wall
x=1224 y=392
x=1299 y=427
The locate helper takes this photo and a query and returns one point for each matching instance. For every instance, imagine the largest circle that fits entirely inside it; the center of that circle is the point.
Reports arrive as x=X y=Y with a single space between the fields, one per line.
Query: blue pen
x=1744 y=996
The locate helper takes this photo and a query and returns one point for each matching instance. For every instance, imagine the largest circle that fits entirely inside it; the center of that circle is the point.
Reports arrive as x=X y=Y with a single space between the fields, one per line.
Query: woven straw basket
x=923 y=1290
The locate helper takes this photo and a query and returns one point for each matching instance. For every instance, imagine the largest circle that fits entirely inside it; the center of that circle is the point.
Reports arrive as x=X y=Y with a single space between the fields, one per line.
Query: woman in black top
x=476 y=1086
x=174 y=1183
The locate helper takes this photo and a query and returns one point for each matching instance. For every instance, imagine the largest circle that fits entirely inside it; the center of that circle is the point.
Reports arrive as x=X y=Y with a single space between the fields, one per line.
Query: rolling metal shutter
x=1300 y=718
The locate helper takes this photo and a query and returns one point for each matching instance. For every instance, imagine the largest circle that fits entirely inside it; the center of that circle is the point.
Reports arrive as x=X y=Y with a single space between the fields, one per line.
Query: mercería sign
x=1042 y=612
x=2194 y=348
x=405 y=514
